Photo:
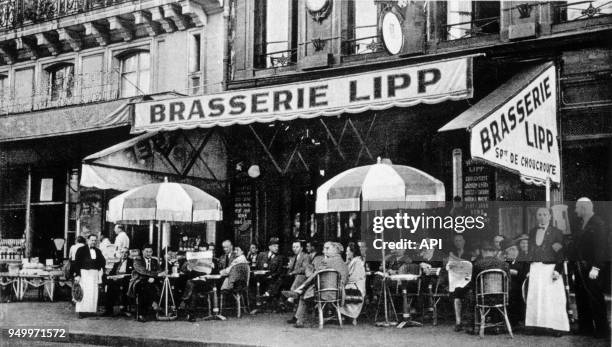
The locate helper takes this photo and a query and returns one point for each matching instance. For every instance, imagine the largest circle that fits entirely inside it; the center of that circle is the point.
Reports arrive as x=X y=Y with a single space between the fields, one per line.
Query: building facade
x=243 y=98
x=69 y=73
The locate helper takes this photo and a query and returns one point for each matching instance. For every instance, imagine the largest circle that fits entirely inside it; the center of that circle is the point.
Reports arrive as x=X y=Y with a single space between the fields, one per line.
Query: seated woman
x=239 y=273
x=356 y=282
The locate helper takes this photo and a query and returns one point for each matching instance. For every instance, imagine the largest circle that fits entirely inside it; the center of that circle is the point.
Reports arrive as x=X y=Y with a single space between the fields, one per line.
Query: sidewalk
x=260 y=330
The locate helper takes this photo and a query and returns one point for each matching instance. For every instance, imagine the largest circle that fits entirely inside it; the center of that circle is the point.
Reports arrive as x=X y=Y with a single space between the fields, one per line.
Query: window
x=471 y=18
x=135 y=74
x=275 y=33
x=566 y=11
x=60 y=81
x=362 y=28
x=4 y=91
x=195 y=59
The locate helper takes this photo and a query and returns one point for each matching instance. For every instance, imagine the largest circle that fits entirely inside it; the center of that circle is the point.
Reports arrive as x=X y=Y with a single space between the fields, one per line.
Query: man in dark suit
x=274 y=263
x=118 y=281
x=590 y=253
x=298 y=264
x=145 y=282
x=228 y=255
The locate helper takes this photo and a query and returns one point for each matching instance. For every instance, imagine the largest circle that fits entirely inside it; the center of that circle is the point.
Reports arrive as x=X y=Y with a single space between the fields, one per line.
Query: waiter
x=88 y=270
x=121 y=240
x=590 y=252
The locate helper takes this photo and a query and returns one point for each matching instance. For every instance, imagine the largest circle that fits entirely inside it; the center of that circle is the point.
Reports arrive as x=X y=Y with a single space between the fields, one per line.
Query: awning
x=515 y=126
x=428 y=83
x=190 y=157
x=65 y=120
x=72 y=119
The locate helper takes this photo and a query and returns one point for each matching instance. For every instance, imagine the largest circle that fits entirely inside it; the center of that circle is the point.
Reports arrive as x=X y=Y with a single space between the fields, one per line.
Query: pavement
x=267 y=329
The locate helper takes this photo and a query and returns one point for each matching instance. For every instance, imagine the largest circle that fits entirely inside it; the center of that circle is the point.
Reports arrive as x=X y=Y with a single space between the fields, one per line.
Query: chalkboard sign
x=243 y=210
x=477 y=187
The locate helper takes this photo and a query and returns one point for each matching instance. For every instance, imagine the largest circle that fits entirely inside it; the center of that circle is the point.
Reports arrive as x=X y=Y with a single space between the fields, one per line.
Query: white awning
x=428 y=83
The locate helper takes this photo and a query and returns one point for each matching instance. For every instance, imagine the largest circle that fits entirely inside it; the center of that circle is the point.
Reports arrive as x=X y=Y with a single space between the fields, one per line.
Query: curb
x=117 y=340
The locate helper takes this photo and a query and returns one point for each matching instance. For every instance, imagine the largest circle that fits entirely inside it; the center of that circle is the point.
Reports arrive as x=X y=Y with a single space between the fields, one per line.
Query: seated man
x=488 y=261
x=274 y=263
x=298 y=264
x=333 y=260
x=192 y=269
x=145 y=282
x=116 y=292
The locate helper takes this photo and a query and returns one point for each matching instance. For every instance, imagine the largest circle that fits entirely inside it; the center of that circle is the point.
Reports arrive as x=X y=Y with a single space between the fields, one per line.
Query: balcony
x=17 y=13
x=80 y=89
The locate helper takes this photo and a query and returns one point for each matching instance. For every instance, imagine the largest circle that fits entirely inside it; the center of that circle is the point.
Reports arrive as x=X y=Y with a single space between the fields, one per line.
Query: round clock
x=392 y=34
x=316 y=5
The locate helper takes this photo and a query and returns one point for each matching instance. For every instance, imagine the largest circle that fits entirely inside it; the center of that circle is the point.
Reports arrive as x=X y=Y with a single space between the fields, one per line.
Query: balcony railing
x=475 y=27
x=568 y=11
x=276 y=55
x=365 y=41
x=84 y=88
x=17 y=13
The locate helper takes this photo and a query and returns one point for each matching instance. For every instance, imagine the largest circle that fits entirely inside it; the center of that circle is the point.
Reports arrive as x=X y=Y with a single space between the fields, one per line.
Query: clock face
x=316 y=5
x=392 y=34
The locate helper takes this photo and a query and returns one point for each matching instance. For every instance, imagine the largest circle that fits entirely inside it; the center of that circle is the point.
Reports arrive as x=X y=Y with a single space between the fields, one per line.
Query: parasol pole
x=386 y=323
x=547 y=192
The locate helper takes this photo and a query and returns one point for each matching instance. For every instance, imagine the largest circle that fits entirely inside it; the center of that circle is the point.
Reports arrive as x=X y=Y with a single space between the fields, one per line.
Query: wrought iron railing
x=84 y=88
x=568 y=11
x=16 y=13
x=472 y=28
x=278 y=57
x=365 y=42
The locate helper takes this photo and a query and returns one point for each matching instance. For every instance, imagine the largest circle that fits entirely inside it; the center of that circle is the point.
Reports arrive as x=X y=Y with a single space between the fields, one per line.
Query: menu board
x=243 y=209
x=477 y=187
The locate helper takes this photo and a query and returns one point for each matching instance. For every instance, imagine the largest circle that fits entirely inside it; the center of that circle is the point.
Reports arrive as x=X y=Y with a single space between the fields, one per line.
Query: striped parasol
x=380 y=186
x=165 y=202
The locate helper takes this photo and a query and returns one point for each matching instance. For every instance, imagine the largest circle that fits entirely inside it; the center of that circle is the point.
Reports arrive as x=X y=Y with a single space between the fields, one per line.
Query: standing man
x=121 y=240
x=590 y=254
x=88 y=269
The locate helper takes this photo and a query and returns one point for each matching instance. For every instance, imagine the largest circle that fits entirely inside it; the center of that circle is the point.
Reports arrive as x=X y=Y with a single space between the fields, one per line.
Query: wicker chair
x=240 y=290
x=328 y=292
x=491 y=294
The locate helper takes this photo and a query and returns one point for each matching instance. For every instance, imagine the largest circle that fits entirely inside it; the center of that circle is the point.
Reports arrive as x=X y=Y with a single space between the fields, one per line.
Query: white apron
x=89 y=284
x=546 y=299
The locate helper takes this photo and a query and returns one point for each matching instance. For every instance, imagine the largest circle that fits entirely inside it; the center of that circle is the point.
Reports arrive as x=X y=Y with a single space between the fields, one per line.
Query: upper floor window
x=566 y=11
x=471 y=18
x=60 y=81
x=4 y=88
x=361 y=34
x=275 y=33
x=135 y=74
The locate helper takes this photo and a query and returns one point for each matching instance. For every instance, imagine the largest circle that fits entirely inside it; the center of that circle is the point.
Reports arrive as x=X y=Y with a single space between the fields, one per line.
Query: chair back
x=328 y=286
x=239 y=276
x=492 y=288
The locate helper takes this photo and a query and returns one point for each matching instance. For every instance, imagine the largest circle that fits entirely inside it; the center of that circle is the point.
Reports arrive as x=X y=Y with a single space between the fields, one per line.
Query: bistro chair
x=240 y=289
x=328 y=292
x=491 y=295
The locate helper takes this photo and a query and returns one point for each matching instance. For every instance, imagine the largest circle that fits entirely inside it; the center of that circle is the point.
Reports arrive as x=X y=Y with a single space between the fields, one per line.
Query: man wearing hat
x=488 y=261
x=518 y=272
x=272 y=262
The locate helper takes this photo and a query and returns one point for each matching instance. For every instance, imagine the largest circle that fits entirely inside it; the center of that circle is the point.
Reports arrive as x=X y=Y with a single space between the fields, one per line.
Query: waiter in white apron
x=88 y=270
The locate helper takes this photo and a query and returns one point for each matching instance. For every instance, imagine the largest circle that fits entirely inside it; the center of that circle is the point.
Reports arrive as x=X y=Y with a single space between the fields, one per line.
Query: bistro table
x=11 y=280
x=259 y=276
x=46 y=281
x=215 y=279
